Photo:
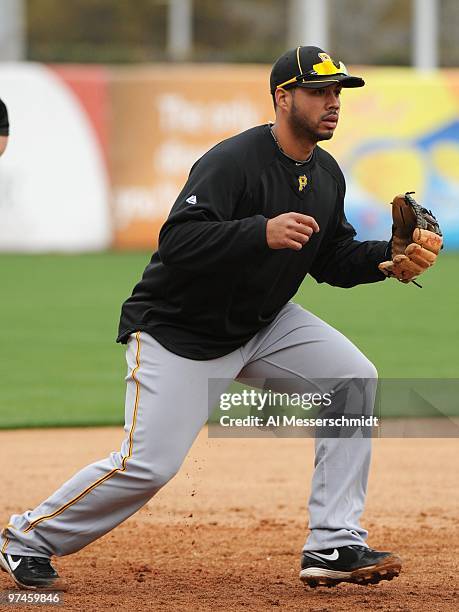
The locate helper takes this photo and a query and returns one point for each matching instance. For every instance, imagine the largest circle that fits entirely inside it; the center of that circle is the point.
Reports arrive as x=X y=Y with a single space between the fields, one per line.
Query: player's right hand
x=290 y=231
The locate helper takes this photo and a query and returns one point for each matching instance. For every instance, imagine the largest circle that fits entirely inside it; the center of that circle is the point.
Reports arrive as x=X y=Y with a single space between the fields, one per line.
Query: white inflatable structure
x=54 y=190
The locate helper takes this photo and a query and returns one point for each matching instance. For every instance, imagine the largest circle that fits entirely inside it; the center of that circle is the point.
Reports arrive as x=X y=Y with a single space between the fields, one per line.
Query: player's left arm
x=343 y=261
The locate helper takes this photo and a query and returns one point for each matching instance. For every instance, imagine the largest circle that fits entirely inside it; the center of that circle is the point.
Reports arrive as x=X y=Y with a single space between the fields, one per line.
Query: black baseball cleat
x=357 y=564
x=30 y=572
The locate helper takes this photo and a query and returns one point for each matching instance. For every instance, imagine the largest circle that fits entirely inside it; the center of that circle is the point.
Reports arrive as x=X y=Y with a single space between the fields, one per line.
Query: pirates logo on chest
x=302 y=182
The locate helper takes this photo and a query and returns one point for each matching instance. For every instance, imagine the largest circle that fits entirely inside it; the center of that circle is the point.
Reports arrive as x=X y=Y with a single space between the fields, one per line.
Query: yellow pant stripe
x=5 y=544
x=136 y=404
x=95 y=484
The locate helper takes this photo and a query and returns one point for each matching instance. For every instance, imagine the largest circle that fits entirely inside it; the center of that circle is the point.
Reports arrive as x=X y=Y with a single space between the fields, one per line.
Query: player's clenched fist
x=290 y=231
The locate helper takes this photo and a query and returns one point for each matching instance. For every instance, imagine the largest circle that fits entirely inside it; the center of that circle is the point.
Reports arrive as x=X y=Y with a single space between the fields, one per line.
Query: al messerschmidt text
x=294 y=421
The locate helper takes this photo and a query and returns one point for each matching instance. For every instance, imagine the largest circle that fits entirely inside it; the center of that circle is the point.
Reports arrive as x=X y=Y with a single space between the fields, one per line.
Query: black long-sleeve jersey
x=214 y=282
x=4 y=123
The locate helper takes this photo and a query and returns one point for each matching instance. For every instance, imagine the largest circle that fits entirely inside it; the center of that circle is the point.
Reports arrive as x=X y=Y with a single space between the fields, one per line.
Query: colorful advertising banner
x=163 y=120
x=101 y=154
x=398 y=133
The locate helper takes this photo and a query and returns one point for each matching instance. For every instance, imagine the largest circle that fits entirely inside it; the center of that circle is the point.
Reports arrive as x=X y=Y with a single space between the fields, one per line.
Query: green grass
x=59 y=317
x=407 y=332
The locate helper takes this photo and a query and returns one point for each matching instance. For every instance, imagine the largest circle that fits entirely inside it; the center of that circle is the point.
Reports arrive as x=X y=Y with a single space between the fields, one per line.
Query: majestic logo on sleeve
x=302 y=182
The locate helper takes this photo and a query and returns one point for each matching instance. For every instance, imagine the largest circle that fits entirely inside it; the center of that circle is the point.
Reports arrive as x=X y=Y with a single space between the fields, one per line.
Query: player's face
x=314 y=112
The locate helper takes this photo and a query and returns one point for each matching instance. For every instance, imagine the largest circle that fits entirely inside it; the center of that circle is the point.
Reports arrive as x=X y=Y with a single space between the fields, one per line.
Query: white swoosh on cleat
x=332 y=557
x=13 y=564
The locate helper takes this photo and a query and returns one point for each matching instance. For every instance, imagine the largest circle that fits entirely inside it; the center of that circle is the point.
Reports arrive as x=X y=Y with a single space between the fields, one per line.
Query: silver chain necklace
x=297 y=161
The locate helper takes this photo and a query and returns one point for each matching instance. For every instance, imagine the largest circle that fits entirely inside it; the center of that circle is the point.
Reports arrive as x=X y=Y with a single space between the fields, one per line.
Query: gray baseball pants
x=167 y=405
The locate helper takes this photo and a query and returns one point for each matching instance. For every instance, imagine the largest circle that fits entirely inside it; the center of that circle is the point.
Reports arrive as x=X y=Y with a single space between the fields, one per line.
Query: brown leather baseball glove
x=416 y=239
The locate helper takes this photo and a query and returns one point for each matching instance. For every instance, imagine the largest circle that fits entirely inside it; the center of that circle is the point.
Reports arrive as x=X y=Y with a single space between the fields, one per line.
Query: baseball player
x=258 y=212
x=4 y=127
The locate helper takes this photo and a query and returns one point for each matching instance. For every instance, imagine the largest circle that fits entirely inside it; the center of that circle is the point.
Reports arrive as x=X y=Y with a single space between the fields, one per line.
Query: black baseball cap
x=310 y=67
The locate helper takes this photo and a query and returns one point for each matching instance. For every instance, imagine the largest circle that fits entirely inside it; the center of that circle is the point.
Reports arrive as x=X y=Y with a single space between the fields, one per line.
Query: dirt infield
x=226 y=533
